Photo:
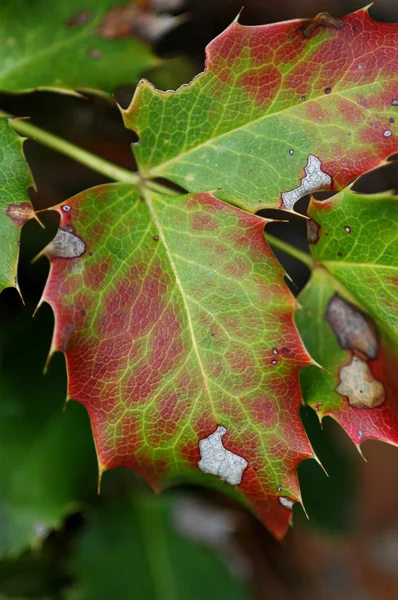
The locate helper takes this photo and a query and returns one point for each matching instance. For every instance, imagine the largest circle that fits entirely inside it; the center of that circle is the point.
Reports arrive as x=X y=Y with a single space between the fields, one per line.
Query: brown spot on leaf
x=358 y=384
x=80 y=18
x=131 y=20
x=313 y=229
x=20 y=213
x=94 y=53
x=323 y=19
x=353 y=329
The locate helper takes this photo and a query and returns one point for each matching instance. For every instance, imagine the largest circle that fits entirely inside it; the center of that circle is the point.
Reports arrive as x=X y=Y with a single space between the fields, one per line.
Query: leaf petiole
x=78 y=154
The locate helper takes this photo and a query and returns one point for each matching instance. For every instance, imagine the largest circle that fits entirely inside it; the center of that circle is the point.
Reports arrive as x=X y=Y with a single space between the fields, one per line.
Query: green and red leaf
x=350 y=318
x=179 y=338
x=281 y=110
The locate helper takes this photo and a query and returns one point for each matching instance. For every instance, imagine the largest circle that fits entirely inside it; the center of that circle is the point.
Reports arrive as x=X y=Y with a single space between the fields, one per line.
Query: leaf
x=67 y=45
x=350 y=314
x=179 y=337
x=276 y=114
x=15 y=178
x=149 y=558
x=48 y=464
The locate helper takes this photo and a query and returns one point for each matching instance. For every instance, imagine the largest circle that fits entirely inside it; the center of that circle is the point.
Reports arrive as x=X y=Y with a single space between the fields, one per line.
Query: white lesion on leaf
x=65 y=245
x=286 y=502
x=314 y=179
x=358 y=384
x=217 y=460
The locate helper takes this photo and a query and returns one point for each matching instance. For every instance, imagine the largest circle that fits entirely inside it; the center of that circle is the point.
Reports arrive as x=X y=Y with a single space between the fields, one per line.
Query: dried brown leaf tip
x=323 y=19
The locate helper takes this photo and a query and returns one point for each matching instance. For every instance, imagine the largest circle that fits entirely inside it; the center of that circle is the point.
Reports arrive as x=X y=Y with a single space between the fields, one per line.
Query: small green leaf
x=132 y=550
x=66 y=45
x=276 y=114
x=349 y=320
x=15 y=207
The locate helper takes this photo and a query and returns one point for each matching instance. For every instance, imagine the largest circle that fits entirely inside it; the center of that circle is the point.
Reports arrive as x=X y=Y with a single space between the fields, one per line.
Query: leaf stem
x=82 y=156
x=303 y=257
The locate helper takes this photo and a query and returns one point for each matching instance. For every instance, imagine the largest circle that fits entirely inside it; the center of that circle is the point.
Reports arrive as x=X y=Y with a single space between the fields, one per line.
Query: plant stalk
x=82 y=156
x=303 y=257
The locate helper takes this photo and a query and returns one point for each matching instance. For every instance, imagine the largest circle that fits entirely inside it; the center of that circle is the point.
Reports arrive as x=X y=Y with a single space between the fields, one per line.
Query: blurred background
x=58 y=538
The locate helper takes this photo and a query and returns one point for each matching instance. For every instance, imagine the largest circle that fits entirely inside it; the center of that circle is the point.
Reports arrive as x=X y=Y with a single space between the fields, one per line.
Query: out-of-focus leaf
x=349 y=318
x=131 y=550
x=328 y=495
x=48 y=461
x=15 y=207
x=279 y=111
x=179 y=338
x=73 y=44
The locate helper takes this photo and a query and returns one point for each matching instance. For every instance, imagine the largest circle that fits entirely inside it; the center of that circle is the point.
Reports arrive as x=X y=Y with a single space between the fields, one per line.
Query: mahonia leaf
x=349 y=320
x=15 y=178
x=179 y=337
x=70 y=44
x=281 y=110
x=137 y=531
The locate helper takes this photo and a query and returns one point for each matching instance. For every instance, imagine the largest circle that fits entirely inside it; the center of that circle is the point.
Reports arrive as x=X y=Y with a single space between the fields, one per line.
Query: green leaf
x=48 y=462
x=66 y=45
x=132 y=550
x=179 y=337
x=15 y=207
x=350 y=314
x=277 y=113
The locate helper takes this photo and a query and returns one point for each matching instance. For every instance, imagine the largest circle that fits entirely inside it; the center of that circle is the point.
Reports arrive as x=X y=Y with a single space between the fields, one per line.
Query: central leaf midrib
x=154 y=171
x=173 y=267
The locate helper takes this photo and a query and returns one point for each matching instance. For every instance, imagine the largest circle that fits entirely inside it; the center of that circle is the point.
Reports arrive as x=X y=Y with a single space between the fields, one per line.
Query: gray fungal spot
x=315 y=179
x=66 y=208
x=291 y=151
x=217 y=460
x=394 y=102
x=360 y=434
x=358 y=384
x=286 y=502
x=387 y=133
x=354 y=330
x=347 y=229
x=65 y=245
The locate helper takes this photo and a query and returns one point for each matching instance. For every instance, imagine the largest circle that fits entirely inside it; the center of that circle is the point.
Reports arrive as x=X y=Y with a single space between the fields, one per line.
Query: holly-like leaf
x=350 y=318
x=149 y=558
x=281 y=110
x=71 y=44
x=179 y=337
x=48 y=461
x=15 y=207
